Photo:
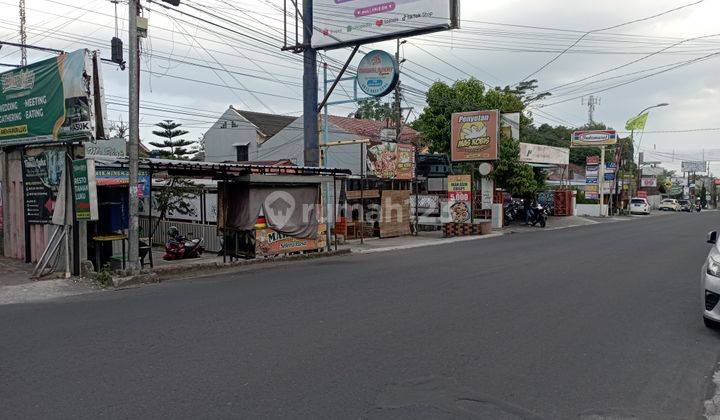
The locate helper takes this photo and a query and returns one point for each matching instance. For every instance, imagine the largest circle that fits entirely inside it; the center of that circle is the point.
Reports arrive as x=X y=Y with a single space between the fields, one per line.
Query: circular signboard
x=485 y=168
x=377 y=73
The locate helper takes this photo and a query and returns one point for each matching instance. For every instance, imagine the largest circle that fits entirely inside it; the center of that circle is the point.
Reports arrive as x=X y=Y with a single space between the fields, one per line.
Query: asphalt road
x=595 y=321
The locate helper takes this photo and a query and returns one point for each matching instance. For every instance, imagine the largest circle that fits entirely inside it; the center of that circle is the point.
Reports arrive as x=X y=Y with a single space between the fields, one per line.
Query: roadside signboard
x=389 y=160
x=592 y=160
x=593 y=138
x=648 y=182
x=52 y=99
x=338 y=23
x=591 y=180
x=86 y=204
x=269 y=242
x=42 y=174
x=111 y=176
x=592 y=170
x=474 y=136
x=694 y=166
x=377 y=73
x=609 y=176
x=460 y=198
x=536 y=153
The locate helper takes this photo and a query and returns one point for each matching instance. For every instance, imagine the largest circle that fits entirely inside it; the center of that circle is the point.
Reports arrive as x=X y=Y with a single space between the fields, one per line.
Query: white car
x=710 y=276
x=639 y=205
x=670 y=204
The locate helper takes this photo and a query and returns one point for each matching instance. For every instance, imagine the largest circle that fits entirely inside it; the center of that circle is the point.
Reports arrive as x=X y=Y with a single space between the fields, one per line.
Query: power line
x=605 y=29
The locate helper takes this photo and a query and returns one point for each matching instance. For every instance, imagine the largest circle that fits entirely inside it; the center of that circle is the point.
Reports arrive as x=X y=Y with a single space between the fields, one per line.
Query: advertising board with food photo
x=460 y=198
x=391 y=161
x=474 y=136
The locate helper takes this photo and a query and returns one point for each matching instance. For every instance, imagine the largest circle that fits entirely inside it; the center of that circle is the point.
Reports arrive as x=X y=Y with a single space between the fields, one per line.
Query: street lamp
x=632 y=138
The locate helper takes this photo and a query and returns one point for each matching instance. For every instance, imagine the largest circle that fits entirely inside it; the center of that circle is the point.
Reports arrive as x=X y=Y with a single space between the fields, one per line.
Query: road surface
x=587 y=322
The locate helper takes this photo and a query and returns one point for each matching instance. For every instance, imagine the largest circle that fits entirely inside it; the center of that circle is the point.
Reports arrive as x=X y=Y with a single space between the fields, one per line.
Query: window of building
x=234 y=124
x=242 y=153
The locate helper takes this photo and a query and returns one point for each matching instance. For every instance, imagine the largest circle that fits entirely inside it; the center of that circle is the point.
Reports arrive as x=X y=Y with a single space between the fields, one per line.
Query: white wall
x=288 y=144
x=592 y=210
x=219 y=141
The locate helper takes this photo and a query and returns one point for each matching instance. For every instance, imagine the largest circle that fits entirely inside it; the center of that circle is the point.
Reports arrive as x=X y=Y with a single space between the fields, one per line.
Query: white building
x=238 y=135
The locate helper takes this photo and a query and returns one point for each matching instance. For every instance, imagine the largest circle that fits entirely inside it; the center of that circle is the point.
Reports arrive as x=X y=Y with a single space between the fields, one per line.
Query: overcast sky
x=495 y=44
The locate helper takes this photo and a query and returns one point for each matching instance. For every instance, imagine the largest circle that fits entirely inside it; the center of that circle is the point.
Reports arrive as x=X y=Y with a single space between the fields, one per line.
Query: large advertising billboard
x=693 y=166
x=54 y=99
x=474 y=136
x=391 y=161
x=339 y=23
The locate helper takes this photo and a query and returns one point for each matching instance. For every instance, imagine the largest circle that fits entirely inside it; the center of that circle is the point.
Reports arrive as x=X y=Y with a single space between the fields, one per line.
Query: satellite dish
x=485 y=168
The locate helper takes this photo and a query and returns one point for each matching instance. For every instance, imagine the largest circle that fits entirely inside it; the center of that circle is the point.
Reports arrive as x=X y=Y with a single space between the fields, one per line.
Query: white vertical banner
x=487 y=187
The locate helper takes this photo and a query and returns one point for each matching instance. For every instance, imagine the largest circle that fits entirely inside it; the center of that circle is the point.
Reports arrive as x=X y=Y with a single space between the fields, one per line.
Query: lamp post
x=632 y=139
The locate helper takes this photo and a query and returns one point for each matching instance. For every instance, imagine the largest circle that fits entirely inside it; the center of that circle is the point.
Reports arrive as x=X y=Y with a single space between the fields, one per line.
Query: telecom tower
x=23 y=35
x=591 y=102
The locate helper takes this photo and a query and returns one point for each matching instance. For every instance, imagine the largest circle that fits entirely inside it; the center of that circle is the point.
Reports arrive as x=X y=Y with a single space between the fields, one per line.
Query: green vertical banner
x=85 y=187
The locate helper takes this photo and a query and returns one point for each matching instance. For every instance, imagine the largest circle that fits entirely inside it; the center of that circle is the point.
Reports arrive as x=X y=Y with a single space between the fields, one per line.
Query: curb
x=427 y=244
x=156 y=275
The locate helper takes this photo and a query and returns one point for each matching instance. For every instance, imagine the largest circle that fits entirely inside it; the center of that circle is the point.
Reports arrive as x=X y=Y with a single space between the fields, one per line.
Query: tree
x=464 y=95
x=172 y=147
x=703 y=195
x=516 y=177
x=373 y=109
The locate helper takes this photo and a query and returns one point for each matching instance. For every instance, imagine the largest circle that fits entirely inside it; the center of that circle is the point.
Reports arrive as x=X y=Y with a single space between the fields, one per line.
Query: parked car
x=710 y=280
x=685 y=205
x=639 y=205
x=669 y=204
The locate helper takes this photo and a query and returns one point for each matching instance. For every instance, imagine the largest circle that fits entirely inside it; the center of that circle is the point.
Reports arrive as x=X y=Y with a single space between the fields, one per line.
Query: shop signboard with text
x=593 y=138
x=269 y=242
x=537 y=153
x=648 y=182
x=474 y=136
x=85 y=188
x=460 y=198
x=42 y=174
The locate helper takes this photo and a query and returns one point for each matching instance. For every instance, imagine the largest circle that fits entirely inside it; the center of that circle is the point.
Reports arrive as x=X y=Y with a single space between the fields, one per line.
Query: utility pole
x=310 y=90
x=134 y=122
x=23 y=35
x=398 y=108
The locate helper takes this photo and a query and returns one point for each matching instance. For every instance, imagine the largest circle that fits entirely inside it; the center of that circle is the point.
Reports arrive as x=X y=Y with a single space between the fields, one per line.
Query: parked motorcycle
x=178 y=247
x=538 y=215
x=513 y=212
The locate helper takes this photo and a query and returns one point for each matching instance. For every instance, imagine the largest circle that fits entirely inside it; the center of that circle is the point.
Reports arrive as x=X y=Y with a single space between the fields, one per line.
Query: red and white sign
x=642 y=194
x=592 y=160
x=648 y=182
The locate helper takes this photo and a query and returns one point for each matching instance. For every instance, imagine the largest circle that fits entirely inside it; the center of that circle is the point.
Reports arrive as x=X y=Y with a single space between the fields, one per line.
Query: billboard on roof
x=339 y=23
x=60 y=98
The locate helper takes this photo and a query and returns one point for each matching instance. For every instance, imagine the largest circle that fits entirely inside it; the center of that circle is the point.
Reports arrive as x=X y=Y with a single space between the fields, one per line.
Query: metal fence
x=207 y=232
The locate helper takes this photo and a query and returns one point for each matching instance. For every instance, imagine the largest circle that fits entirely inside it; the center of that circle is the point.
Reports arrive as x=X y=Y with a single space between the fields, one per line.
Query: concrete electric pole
x=133 y=144
x=310 y=90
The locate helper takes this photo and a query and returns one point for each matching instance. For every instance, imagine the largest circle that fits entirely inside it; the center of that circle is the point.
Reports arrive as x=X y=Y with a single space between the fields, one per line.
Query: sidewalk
x=16 y=286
